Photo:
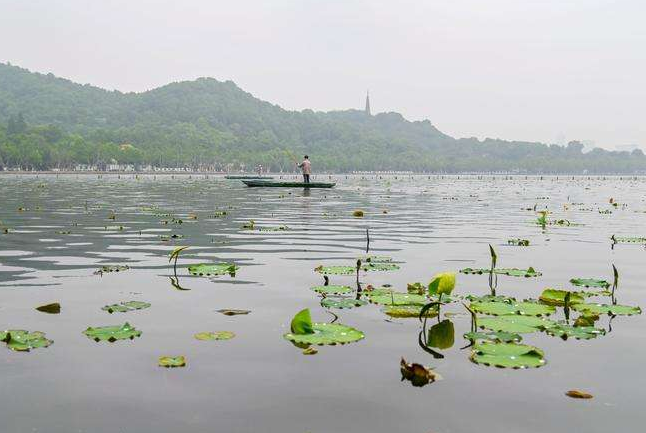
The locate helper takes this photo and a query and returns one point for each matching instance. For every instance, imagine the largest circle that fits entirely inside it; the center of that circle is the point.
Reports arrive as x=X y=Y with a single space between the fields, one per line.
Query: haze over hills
x=49 y=122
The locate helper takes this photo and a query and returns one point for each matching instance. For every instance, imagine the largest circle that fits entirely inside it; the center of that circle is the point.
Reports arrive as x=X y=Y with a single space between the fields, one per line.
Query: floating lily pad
x=377 y=266
x=126 y=306
x=172 y=361
x=505 y=337
x=342 y=302
x=489 y=298
x=396 y=298
x=589 y=282
x=504 y=308
x=403 y=311
x=512 y=272
x=575 y=393
x=613 y=310
x=113 y=268
x=332 y=290
x=112 y=333
x=416 y=288
x=53 y=308
x=336 y=270
x=514 y=323
x=217 y=335
x=375 y=259
x=233 y=312
x=518 y=242
x=213 y=269
x=272 y=229
x=628 y=239
x=557 y=297
x=565 y=331
x=327 y=333
x=507 y=355
x=23 y=341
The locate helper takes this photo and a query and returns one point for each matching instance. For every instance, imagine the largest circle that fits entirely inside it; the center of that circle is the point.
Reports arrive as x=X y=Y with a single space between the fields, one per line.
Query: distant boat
x=246 y=176
x=268 y=183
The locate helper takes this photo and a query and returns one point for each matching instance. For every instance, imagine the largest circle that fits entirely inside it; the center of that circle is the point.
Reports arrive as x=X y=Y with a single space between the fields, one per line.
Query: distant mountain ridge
x=213 y=123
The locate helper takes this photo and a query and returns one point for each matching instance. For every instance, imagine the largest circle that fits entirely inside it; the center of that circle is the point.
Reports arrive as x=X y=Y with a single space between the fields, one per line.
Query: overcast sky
x=541 y=70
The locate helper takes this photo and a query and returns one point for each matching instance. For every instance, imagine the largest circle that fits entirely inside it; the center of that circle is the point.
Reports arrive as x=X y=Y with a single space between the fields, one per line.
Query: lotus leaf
x=23 y=341
x=417 y=288
x=113 y=268
x=402 y=311
x=489 y=298
x=126 y=306
x=54 y=308
x=586 y=319
x=336 y=270
x=217 y=335
x=628 y=240
x=441 y=335
x=507 y=355
x=442 y=284
x=213 y=269
x=112 y=333
x=332 y=290
x=232 y=312
x=504 y=308
x=302 y=323
x=518 y=242
x=565 y=331
x=375 y=259
x=514 y=323
x=327 y=333
x=379 y=266
x=172 y=361
x=396 y=298
x=589 y=282
x=505 y=337
x=575 y=393
x=342 y=302
x=557 y=297
x=512 y=272
x=612 y=310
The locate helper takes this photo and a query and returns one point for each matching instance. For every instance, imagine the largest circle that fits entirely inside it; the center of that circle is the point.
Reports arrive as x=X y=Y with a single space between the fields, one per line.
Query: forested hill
x=48 y=122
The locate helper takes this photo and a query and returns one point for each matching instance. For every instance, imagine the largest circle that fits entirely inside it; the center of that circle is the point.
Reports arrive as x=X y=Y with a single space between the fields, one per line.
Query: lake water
x=259 y=382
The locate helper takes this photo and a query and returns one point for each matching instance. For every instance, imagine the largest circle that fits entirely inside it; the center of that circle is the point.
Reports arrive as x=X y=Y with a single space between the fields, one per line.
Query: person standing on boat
x=306 y=167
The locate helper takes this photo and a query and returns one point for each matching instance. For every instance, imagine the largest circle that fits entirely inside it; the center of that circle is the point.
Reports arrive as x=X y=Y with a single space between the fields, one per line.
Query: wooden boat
x=277 y=184
x=246 y=176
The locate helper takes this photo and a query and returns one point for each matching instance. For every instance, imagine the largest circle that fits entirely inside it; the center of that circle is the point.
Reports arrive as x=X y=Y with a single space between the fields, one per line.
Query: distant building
x=368 y=103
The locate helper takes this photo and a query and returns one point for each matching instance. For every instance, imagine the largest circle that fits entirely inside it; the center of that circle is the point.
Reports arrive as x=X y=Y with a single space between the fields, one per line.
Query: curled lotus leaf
x=524 y=308
x=112 y=333
x=395 y=298
x=124 y=307
x=332 y=290
x=505 y=337
x=213 y=269
x=326 y=333
x=612 y=310
x=216 y=335
x=172 y=361
x=404 y=311
x=340 y=302
x=302 y=323
x=512 y=272
x=489 y=298
x=557 y=297
x=23 y=341
x=566 y=331
x=514 y=323
x=590 y=282
x=336 y=270
x=379 y=266
x=507 y=355
x=53 y=308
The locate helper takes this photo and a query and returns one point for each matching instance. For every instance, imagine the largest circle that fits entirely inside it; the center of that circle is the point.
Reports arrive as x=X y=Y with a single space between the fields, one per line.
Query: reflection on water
x=61 y=229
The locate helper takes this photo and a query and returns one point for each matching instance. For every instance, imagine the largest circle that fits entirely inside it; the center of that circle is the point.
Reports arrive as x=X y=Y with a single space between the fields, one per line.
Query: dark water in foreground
x=258 y=382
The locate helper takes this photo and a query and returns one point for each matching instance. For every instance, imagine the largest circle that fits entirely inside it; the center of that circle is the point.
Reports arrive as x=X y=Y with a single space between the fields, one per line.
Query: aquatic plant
x=213 y=269
x=53 y=308
x=174 y=255
x=23 y=341
x=304 y=331
x=172 y=361
x=507 y=355
x=124 y=307
x=112 y=333
x=215 y=335
x=417 y=374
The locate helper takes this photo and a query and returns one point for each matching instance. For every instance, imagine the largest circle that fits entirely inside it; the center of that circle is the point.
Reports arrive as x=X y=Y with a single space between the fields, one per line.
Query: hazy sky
x=541 y=70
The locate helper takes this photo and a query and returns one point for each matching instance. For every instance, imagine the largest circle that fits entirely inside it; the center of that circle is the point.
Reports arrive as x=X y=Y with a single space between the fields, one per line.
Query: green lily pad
x=557 y=297
x=565 y=331
x=512 y=272
x=404 y=311
x=384 y=267
x=326 y=333
x=217 y=335
x=503 y=308
x=416 y=288
x=126 y=306
x=23 y=341
x=628 y=239
x=342 y=302
x=518 y=242
x=396 y=298
x=213 y=269
x=112 y=333
x=613 y=310
x=505 y=337
x=489 y=298
x=336 y=270
x=375 y=259
x=514 y=323
x=589 y=282
x=332 y=290
x=112 y=268
x=507 y=355
x=172 y=361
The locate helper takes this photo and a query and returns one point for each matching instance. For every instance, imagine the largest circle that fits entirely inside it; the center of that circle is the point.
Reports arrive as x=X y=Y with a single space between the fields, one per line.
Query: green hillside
x=48 y=122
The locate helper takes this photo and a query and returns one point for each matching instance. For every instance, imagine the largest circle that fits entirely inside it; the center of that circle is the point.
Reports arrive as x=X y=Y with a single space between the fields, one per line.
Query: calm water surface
x=258 y=382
